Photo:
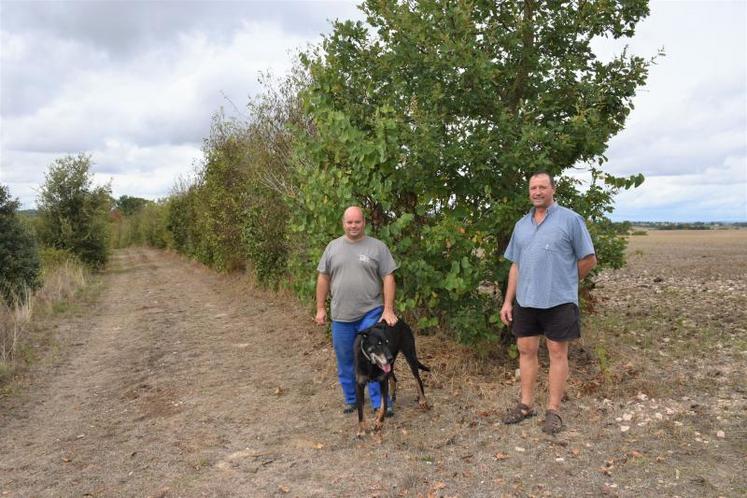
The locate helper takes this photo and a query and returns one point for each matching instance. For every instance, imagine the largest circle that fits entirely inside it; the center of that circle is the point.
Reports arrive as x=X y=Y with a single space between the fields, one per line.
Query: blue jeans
x=343 y=338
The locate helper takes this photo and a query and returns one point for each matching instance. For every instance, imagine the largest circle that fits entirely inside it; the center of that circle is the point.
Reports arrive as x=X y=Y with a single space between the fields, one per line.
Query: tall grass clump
x=63 y=276
x=14 y=320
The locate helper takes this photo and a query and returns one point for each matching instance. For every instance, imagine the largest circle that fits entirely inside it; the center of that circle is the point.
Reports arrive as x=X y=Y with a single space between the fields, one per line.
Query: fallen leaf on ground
x=501 y=456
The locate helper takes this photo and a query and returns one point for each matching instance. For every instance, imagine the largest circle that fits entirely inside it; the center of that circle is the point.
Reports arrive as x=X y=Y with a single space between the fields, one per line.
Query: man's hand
x=585 y=265
x=389 y=317
x=507 y=310
x=507 y=313
x=322 y=289
x=321 y=317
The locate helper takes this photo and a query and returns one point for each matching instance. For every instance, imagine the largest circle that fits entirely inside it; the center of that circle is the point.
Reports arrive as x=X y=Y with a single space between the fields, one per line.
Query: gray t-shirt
x=356 y=270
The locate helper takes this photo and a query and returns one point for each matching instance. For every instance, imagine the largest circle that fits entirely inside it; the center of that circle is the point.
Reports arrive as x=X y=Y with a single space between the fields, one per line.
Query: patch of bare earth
x=176 y=381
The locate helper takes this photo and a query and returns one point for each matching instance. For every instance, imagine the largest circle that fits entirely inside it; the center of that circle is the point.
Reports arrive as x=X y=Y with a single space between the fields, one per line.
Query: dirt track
x=179 y=382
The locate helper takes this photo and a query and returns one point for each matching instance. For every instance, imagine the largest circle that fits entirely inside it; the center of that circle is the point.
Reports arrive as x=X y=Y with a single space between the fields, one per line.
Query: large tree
x=73 y=213
x=433 y=115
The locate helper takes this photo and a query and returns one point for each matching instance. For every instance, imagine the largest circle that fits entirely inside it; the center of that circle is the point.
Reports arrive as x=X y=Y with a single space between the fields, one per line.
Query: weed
x=604 y=362
x=513 y=351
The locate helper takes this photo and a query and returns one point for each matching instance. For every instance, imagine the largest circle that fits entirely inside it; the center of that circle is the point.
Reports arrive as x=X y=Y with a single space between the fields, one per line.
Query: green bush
x=73 y=215
x=19 y=258
x=148 y=224
x=52 y=258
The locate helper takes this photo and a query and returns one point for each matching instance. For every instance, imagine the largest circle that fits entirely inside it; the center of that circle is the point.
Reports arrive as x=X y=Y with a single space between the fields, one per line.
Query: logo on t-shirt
x=364 y=259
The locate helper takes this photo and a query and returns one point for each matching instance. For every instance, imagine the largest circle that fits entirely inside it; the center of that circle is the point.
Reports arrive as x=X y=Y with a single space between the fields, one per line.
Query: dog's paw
x=362 y=429
x=378 y=425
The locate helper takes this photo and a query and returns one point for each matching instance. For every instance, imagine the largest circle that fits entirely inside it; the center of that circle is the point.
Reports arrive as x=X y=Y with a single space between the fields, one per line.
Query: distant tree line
x=696 y=225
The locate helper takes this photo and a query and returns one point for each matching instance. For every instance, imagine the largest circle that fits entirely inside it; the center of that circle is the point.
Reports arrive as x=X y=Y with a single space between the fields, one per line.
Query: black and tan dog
x=375 y=350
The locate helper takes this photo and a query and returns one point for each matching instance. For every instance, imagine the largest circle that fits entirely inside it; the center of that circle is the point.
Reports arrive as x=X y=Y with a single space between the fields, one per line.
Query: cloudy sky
x=135 y=84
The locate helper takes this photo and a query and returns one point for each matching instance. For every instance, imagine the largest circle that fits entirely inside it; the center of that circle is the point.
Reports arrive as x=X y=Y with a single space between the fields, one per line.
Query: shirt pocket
x=554 y=241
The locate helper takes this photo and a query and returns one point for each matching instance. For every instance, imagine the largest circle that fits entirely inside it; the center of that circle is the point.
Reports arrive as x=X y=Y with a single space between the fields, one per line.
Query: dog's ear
x=364 y=335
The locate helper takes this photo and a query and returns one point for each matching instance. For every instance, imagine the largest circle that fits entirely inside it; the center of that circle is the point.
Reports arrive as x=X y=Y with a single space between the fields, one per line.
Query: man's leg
x=343 y=338
x=558 y=372
x=528 y=366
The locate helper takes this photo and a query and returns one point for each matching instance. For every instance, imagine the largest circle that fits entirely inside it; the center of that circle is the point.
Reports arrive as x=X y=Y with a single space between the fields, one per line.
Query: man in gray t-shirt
x=359 y=270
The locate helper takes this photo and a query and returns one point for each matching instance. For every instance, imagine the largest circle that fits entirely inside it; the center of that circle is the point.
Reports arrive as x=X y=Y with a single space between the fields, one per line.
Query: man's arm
x=322 y=289
x=508 y=301
x=585 y=265
x=390 y=288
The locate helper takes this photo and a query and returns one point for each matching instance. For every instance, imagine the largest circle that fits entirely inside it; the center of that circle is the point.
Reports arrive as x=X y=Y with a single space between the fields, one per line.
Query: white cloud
x=133 y=115
x=159 y=97
x=688 y=132
x=148 y=172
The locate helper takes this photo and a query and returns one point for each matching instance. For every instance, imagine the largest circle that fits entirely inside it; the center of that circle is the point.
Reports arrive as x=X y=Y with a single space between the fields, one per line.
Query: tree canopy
x=433 y=116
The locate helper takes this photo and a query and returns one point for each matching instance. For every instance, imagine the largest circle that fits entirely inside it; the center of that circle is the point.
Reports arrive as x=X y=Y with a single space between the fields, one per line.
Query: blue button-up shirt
x=547 y=255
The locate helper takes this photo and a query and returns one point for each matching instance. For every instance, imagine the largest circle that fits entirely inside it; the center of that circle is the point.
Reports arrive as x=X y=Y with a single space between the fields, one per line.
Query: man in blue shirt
x=551 y=251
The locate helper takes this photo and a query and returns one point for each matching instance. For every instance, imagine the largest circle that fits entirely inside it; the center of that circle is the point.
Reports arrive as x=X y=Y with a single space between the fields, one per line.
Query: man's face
x=354 y=224
x=541 y=192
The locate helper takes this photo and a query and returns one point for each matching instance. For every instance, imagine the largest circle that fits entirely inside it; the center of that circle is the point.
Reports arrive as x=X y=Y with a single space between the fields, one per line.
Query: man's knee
x=557 y=350
x=527 y=346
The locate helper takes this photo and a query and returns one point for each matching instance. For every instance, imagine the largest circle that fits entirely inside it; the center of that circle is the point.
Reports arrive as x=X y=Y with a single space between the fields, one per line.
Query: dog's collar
x=366 y=356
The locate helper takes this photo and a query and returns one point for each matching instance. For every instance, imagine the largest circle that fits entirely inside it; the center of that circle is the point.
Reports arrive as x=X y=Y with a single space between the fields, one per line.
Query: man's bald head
x=354 y=223
x=352 y=211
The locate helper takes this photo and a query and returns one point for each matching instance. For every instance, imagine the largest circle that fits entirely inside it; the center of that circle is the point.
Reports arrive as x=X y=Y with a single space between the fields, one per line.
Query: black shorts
x=559 y=323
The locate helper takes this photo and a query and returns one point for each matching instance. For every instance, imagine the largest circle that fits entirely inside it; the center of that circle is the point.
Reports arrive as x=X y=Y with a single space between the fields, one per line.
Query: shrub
x=19 y=258
x=73 y=215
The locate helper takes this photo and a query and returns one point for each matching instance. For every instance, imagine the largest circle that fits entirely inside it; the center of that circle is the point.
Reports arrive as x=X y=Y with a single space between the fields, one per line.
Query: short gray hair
x=543 y=172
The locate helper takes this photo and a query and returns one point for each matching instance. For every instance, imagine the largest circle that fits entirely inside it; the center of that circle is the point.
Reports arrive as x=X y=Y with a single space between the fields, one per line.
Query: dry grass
x=62 y=282
x=13 y=321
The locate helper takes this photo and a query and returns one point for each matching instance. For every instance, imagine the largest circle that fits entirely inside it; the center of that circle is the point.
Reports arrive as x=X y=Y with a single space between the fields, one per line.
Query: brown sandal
x=518 y=413
x=553 y=423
